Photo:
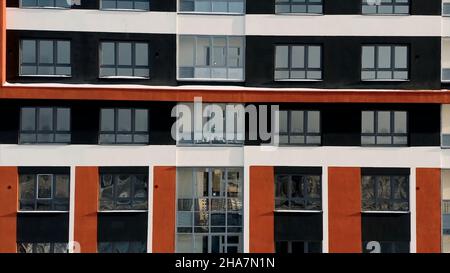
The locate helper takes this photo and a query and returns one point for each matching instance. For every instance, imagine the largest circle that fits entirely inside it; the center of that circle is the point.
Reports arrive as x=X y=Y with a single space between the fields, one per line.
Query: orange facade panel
x=262 y=204
x=428 y=210
x=164 y=199
x=9 y=184
x=86 y=207
x=344 y=203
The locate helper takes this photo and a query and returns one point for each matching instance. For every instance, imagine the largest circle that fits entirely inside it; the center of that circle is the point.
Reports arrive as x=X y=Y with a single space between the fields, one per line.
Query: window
x=293 y=247
x=125 y=4
x=44 y=192
x=124 y=60
x=124 y=126
x=211 y=58
x=220 y=6
x=45 y=58
x=299 y=6
x=122 y=247
x=46 y=3
x=209 y=133
x=44 y=125
x=123 y=191
x=384 y=128
x=209 y=210
x=299 y=127
x=385 y=193
x=446 y=217
x=446 y=8
x=299 y=62
x=43 y=248
x=387 y=247
x=384 y=62
x=385 y=7
x=298 y=192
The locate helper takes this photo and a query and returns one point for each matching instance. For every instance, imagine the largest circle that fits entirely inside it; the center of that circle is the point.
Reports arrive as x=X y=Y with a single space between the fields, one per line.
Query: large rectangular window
x=125 y=4
x=298 y=62
x=384 y=128
x=124 y=126
x=209 y=210
x=211 y=58
x=385 y=193
x=44 y=57
x=45 y=3
x=44 y=125
x=294 y=247
x=298 y=192
x=385 y=62
x=207 y=6
x=400 y=7
x=124 y=60
x=386 y=247
x=43 y=191
x=123 y=191
x=299 y=6
x=299 y=127
x=134 y=247
x=42 y=248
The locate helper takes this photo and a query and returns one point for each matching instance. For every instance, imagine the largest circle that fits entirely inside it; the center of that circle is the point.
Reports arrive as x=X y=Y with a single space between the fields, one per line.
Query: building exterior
x=87 y=157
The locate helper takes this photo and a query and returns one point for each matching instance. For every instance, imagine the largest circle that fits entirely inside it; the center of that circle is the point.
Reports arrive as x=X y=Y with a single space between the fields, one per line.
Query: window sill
x=57 y=8
x=181 y=145
x=45 y=76
x=43 y=212
x=209 y=80
x=384 y=212
x=384 y=146
x=124 y=78
x=386 y=14
x=385 y=80
x=121 y=211
x=298 y=14
x=210 y=13
x=297 y=211
x=286 y=145
x=125 y=10
x=44 y=144
x=123 y=144
x=298 y=80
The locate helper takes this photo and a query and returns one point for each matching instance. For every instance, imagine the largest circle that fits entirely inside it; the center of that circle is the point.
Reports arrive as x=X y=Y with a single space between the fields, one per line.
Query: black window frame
x=377 y=201
x=288 y=247
x=116 y=133
x=307 y=5
x=37 y=64
x=392 y=134
x=392 y=69
x=394 y=4
x=116 y=65
x=115 y=199
x=305 y=133
x=54 y=6
x=211 y=2
x=306 y=67
x=52 y=202
x=306 y=196
x=133 y=2
x=55 y=132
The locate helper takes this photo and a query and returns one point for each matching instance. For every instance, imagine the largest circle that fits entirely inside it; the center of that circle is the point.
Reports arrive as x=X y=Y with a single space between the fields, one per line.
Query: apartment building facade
x=88 y=161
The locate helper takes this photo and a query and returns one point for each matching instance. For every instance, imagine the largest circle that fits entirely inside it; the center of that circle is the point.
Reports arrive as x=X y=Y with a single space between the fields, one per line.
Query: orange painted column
x=9 y=183
x=262 y=205
x=3 y=42
x=86 y=207
x=428 y=210
x=164 y=199
x=344 y=206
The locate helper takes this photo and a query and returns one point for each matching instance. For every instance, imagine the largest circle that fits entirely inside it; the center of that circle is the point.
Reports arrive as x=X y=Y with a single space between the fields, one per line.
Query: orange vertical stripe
x=428 y=209
x=9 y=183
x=344 y=203
x=86 y=205
x=3 y=42
x=164 y=199
x=262 y=205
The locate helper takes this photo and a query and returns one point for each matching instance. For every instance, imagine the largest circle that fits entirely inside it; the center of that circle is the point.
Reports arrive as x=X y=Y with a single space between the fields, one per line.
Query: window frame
x=391 y=200
x=35 y=245
x=392 y=69
x=116 y=65
x=305 y=133
x=113 y=246
x=38 y=132
x=306 y=67
x=210 y=60
x=306 y=197
x=37 y=64
x=392 y=135
x=117 y=133
x=123 y=9
x=394 y=4
x=292 y=3
x=306 y=246
x=54 y=6
x=211 y=3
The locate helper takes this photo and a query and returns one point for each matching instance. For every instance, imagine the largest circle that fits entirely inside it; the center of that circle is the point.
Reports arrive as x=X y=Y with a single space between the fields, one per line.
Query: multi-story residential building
x=87 y=157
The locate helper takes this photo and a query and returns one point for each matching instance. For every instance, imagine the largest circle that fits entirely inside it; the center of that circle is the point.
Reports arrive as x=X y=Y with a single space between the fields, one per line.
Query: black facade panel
x=44 y=170
x=425 y=125
x=161 y=122
x=385 y=171
x=341 y=62
x=85 y=56
x=122 y=227
x=426 y=7
x=9 y=127
x=342 y=7
x=299 y=170
x=85 y=122
x=12 y=3
x=163 y=5
x=260 y=7
x=386 y=227
x=43 y=228
x=341 y=125
x=298 y=227
x=123 y=170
